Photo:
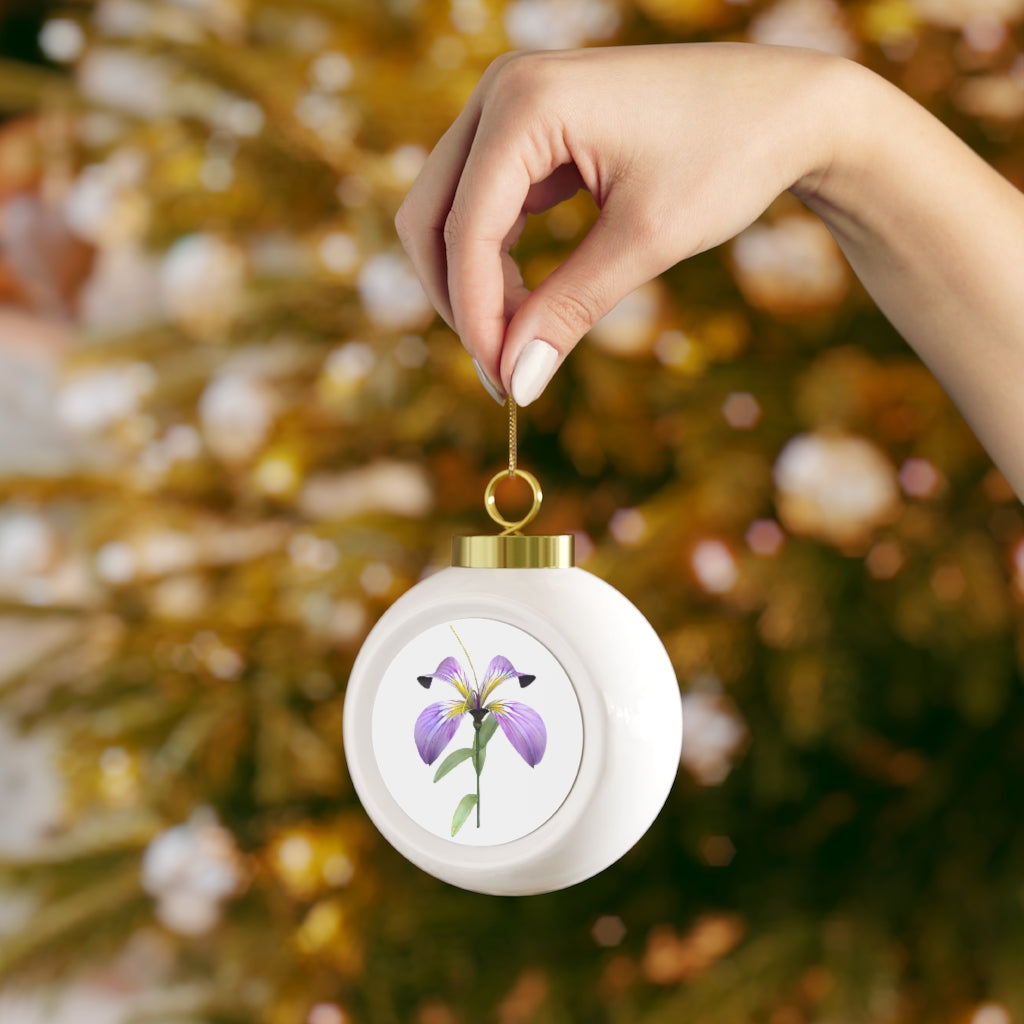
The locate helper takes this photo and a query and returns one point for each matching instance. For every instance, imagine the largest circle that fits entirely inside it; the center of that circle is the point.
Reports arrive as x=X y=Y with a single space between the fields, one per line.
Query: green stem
x=476 y=766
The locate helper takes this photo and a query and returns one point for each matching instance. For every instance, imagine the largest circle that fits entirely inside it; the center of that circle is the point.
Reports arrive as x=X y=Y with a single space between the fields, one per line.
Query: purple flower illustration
x=438 y=723
x=436 y=726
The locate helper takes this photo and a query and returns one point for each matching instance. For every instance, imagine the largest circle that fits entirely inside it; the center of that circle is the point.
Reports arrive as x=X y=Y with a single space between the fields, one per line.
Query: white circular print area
x=528 y=745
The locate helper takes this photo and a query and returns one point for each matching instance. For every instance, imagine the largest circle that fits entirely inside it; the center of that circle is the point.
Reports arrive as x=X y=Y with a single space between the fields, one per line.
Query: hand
x=684 y=146
x=681 y=147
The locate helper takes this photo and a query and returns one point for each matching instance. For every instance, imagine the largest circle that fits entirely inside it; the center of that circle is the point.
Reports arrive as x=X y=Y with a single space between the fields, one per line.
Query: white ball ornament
x=512 y=723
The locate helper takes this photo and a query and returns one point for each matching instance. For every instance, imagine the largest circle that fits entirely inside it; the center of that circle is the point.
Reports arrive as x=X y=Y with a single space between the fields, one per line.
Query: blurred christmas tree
x=267 y=437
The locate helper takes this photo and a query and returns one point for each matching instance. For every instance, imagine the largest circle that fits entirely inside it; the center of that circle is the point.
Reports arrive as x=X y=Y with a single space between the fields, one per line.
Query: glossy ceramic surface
x=615 y=776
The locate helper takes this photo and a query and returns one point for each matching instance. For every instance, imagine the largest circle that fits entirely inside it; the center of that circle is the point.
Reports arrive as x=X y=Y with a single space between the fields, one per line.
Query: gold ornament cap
x=510 y=549
x=513 y=551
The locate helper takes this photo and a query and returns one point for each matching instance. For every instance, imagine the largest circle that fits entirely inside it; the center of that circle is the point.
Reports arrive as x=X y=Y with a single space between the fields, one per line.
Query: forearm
x=937 y=238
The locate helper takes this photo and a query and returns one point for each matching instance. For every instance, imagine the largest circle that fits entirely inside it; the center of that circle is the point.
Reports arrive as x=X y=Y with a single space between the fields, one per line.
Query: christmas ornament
x=512 y=723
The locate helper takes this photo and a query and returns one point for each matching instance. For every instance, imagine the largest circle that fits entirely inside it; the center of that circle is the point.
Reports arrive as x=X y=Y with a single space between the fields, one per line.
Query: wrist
x=882 y=161
x=843 y=107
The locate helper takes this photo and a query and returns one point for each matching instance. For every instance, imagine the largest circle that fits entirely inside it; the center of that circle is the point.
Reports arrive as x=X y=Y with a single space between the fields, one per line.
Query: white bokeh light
x=392 y=295
x=714 y=566
x=835 y=487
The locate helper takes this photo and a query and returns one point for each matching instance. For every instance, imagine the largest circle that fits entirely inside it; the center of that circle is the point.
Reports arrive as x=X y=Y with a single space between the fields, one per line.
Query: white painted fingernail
x=534 y=369
x=489 y=386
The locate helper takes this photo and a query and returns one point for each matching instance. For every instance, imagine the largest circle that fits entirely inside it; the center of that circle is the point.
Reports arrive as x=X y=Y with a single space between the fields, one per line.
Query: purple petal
x=451 y=672
x=435 y=728
x=523 y=727
x=498 y=671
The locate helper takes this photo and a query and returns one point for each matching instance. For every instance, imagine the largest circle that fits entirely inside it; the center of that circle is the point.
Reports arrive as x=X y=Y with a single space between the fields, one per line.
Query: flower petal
x=436 y=726
x=498 y=671
x=451 y=672
x=523 y=727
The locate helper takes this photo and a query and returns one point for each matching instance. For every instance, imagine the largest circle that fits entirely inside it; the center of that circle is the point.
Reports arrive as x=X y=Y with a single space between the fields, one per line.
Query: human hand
x=681 y=146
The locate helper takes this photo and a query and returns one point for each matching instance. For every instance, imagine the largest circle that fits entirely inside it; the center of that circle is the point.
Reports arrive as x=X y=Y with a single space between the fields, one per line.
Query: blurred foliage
x=282 y=439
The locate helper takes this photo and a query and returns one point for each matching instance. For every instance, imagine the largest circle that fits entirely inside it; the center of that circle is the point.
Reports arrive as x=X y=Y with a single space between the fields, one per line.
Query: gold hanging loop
x=491 y=503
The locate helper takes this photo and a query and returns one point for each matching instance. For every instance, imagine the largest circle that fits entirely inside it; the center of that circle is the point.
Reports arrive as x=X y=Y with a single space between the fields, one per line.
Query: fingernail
x=489 y=386
x=534 y=369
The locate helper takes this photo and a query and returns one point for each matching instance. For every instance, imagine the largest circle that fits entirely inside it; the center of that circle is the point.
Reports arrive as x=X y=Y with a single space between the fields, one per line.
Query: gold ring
x=490 y=503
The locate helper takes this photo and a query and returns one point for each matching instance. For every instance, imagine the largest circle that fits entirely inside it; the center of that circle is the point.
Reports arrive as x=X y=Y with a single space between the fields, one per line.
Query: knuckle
x=577 y=311
x=521 y=82
x=454 y=227
x=510 y=68
x=404 y=225
x=500 y=62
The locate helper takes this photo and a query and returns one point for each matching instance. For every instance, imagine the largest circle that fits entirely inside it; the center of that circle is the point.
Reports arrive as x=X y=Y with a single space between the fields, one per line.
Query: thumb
x=608 y=264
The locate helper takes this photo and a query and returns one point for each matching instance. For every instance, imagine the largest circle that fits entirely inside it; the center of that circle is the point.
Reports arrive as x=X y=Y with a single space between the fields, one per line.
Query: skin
x=682 y=147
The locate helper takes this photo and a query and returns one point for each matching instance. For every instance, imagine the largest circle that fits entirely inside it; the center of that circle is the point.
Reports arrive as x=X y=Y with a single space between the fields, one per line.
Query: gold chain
x=513 y=440
x=490 y=503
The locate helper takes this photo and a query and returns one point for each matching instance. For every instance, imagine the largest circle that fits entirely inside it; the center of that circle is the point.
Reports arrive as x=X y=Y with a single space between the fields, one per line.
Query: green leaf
x=488 y=729
x=456 y=757
x=466 y=804
x=478 y=762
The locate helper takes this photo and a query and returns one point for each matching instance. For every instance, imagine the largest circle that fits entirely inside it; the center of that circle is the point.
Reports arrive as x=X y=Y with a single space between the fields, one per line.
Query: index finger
x=421 y=218
x=504 y=163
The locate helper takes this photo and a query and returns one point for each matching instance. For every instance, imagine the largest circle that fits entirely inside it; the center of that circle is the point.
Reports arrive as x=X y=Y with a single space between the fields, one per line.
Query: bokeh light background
x=232 y=432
